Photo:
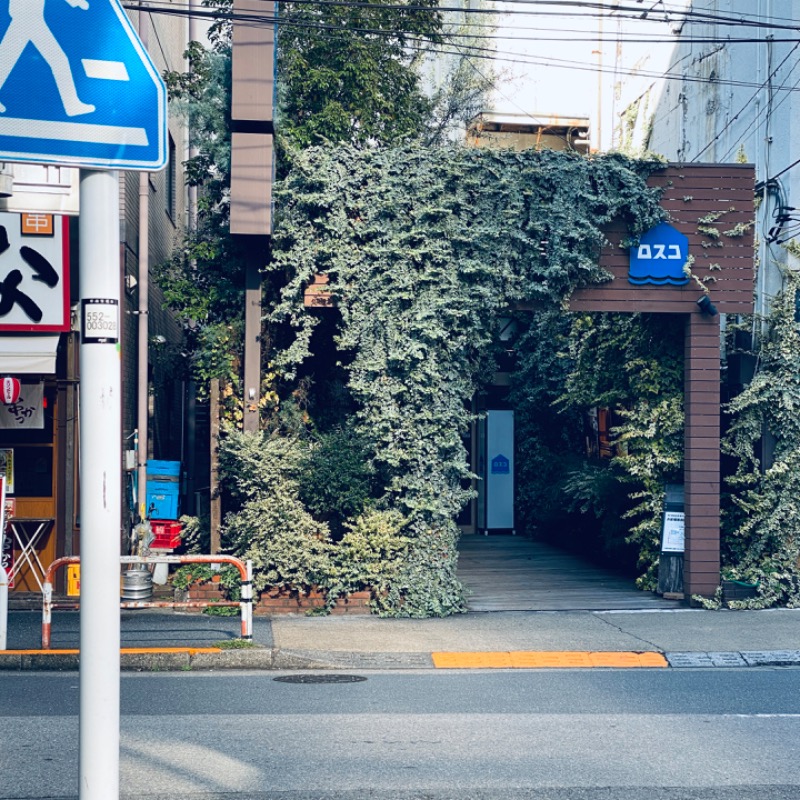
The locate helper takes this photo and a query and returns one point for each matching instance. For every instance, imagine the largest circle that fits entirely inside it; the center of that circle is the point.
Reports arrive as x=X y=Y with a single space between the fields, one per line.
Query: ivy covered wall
x=424 y=250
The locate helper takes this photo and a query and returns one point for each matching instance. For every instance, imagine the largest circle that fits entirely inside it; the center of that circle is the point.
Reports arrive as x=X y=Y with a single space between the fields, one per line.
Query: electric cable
x=476 y=52
x=687 y=15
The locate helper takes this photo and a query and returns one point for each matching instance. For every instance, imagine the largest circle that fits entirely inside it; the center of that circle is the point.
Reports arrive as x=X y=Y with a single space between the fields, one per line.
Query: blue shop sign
x=501 y=465
x=659 y=257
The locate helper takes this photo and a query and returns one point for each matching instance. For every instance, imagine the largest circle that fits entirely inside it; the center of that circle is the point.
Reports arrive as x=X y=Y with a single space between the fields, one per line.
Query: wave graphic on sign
x=659 y=258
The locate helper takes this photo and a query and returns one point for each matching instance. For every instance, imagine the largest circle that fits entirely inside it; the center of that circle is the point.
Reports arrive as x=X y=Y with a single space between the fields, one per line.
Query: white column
x=100 y=488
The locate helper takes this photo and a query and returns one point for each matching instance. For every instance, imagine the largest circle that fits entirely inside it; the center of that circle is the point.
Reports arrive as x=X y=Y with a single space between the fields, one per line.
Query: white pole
x=101 y=478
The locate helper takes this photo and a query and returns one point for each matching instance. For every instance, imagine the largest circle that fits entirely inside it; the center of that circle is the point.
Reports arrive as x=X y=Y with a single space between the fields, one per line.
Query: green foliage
x=761 y=541
x=346 y=72
x=255 y=466
x=203 y=280
x=652 y=437
x=188 y=575
x=235 y=644
x=195 y=536
x=424 y=249
x=288 y=547
x=221 y=611
x=631 y=364
x=336 y=479
x=370 y=556
x=426 y=585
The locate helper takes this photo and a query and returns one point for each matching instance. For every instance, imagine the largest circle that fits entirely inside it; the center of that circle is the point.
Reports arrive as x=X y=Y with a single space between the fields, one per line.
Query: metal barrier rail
x=245 y=604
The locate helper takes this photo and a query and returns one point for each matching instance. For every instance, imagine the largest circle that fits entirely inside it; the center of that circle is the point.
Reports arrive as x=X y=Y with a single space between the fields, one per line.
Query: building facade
x=39 y=440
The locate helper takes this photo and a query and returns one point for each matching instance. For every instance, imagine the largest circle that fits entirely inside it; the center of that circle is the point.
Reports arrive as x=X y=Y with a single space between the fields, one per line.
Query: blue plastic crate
x=163 y=490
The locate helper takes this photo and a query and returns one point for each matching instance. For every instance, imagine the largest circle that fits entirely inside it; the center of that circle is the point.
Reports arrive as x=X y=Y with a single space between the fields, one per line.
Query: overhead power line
x=426 y=46
x=287 y=20
x=619 y=12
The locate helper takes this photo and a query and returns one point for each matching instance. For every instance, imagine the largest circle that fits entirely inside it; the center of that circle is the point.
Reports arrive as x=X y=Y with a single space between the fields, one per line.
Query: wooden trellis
x=713 y=205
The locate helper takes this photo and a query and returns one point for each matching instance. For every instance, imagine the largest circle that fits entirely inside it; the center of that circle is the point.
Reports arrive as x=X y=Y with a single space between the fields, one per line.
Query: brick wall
x=281 y=602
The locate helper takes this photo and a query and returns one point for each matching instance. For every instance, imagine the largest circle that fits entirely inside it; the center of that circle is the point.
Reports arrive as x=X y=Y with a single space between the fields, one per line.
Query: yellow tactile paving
x=472 y=660
x=547 y=659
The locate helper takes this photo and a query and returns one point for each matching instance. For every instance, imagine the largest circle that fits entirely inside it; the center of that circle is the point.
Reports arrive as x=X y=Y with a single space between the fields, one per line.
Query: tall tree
x=347 y=74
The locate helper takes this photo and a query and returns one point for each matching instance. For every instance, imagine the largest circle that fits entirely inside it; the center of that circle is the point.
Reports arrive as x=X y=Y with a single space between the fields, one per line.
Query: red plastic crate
x=167 y=533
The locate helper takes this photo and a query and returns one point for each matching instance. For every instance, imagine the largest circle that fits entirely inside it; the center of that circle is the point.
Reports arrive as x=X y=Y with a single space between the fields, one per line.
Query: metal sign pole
x=100 y=488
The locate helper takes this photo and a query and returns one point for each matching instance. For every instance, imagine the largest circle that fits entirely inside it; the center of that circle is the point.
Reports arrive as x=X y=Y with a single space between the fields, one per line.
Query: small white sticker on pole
x=100 y=321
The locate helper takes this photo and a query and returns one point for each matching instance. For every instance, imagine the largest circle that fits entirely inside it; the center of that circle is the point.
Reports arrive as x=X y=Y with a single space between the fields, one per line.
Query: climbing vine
x=632 y=365
x=760 y=536
x=424 y=249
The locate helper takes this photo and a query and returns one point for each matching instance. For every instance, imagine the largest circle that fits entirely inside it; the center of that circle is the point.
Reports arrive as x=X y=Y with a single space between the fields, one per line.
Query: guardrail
x=245 y=604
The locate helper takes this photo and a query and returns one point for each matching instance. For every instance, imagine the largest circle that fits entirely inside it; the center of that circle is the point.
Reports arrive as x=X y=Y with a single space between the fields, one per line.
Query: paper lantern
x=11 y=389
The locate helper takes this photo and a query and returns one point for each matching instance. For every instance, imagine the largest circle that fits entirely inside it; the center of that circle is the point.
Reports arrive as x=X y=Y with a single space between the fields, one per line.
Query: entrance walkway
x=513 y=573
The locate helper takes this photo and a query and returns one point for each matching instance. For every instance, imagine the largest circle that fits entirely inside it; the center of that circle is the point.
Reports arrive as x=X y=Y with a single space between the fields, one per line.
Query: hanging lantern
x=11 y=389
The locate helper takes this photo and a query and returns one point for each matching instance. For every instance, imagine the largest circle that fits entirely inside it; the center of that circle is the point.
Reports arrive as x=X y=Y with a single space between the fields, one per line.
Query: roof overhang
x=28 y=354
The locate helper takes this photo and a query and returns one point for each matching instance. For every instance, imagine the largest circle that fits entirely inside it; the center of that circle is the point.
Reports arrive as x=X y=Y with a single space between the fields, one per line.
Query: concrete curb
x=266 y=658
x=316 y=659
x=256 y=658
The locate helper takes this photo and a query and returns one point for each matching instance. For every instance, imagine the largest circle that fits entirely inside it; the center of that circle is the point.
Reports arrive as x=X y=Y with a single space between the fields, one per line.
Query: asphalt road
x=550 y=735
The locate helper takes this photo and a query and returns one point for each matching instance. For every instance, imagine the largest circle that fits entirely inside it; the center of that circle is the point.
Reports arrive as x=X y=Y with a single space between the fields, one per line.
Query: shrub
x=335 y=483
x=370 y=555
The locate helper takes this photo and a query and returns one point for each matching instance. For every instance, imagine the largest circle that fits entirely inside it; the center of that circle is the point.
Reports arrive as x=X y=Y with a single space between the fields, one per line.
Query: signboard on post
x=34 y=273
x=77 y=87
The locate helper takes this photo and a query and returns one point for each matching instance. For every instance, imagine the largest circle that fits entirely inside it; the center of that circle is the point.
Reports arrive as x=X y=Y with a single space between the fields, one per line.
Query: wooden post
x=701 y=454
x=252 y=333
x=252 y=97
x=215 y=506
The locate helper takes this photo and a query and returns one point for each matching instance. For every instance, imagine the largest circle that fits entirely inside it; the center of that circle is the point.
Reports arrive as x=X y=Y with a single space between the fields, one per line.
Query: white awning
x=28 y=354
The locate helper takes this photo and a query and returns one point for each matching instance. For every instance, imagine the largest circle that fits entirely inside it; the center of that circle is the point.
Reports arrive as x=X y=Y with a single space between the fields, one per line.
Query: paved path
x=514 y=573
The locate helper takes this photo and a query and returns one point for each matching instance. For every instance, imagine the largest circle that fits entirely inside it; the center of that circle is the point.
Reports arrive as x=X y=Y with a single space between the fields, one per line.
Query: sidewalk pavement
x=505 y=639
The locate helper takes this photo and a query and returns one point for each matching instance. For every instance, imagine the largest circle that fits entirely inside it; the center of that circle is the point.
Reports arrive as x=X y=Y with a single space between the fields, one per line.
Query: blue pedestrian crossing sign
x=78 y=88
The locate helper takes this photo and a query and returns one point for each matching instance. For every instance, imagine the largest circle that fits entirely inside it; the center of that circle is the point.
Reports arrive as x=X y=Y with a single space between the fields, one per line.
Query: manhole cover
x=334 y=678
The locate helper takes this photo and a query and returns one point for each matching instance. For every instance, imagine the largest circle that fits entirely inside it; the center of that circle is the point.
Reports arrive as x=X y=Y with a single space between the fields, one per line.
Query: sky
x=542 y=75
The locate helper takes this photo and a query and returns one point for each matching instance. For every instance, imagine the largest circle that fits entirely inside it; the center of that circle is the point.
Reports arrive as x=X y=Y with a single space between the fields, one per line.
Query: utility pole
x=252 y=168
x=100 y=473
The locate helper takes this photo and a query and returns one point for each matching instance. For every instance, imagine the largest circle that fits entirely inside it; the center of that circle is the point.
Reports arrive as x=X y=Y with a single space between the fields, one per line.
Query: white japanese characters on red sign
x=34 y=273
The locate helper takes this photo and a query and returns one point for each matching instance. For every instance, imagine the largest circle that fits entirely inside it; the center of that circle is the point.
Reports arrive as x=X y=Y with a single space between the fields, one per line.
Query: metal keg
x=137 y=584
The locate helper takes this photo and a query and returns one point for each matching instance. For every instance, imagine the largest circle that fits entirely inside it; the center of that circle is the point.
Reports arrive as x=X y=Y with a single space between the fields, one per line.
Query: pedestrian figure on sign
x=28 y=25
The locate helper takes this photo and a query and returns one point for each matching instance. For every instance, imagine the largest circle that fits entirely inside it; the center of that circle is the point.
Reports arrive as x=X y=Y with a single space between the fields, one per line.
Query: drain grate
x=332 y=678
